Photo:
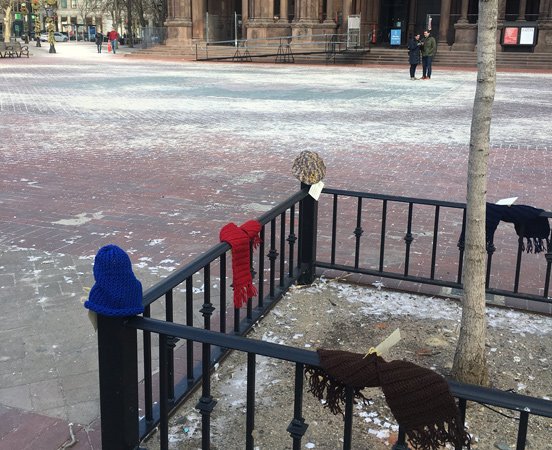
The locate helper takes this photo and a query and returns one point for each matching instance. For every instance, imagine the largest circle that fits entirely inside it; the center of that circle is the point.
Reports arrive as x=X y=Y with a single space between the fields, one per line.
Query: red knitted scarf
x=239 y=239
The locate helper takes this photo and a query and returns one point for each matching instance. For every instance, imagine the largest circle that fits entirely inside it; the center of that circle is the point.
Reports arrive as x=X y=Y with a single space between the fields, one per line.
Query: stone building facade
x=453 y=22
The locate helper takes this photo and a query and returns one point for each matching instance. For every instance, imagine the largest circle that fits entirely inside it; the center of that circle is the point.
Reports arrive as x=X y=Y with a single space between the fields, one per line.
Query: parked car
x=58 y=37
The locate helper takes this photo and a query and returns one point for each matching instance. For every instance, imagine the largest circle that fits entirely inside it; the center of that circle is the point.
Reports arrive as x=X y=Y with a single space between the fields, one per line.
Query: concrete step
x=375 y=56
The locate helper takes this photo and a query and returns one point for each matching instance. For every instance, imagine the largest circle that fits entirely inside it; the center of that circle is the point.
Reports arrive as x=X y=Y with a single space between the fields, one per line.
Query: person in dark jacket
x=99 y=40
x=429 y=48
x=414 y=45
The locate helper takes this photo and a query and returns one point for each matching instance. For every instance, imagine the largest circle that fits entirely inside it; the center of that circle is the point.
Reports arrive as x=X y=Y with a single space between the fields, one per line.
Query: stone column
x=245 y=10
x=376 y=13
x=330 y=11
x=179 y=23
x=544 y=10
x=284 y=11
x=522 y=10
x=199 y=8
x=307 y=26
x=501 y=15
x=267 y=9
x=263 y=26
x=544 y=43
x=412 y=19
x=347 y=8
x=464 y=12
x=444 y=22
x=465 y=33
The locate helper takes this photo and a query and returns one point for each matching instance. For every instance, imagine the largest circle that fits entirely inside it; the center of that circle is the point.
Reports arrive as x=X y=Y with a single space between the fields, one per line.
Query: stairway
x=449 y=58
x=374 y=56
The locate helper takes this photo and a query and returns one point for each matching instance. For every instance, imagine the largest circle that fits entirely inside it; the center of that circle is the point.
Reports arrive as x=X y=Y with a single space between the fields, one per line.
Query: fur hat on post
x=117 y=292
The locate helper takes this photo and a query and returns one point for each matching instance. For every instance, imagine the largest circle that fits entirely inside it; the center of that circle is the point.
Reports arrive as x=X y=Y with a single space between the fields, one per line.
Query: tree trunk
x=470 y=362
x=8 y=21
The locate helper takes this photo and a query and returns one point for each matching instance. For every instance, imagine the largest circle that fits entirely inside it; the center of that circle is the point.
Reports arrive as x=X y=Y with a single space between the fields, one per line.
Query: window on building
x=63 y=4
x=74 y=4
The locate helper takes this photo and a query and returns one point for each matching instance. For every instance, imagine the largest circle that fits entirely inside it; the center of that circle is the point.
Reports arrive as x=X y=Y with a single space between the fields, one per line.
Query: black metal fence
x=417 y=240
x=189 y=325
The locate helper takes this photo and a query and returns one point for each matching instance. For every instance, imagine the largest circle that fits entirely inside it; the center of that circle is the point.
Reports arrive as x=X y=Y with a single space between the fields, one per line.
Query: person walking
x=414 y=45
x=113 y=37
x=99 y=41
x=429 y=48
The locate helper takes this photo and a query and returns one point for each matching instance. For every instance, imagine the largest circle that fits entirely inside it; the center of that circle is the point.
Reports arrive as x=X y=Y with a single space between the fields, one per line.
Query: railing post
x=116 y=296
x=118 y=366
x=308 y=228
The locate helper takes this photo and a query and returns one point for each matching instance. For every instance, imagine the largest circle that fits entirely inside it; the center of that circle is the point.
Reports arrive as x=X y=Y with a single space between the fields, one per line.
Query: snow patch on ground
x=387 y=304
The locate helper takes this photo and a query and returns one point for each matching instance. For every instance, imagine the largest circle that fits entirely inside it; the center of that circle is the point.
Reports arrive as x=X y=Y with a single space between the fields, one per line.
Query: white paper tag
x=92 y=316
x=507 y=201
x=389 y=342
x=316 y=189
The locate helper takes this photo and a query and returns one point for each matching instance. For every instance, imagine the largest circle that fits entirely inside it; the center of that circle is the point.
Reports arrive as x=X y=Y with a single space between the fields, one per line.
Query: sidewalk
x=156 y=157
x=76 y=51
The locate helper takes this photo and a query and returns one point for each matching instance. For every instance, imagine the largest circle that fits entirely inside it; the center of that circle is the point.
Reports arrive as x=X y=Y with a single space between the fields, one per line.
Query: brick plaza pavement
x=157 y=156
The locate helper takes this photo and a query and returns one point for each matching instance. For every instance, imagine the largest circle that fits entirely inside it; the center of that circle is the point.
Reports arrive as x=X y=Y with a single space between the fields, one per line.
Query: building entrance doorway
x=393 y=16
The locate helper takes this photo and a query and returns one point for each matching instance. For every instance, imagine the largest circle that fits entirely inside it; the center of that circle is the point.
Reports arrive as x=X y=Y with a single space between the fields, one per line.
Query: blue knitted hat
x=117 y=292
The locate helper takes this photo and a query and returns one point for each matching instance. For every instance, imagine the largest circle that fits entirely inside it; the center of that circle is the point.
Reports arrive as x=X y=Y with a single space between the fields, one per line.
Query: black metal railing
x=525 y=405
x=198 y=295
x=297 y=237
x=430 y=232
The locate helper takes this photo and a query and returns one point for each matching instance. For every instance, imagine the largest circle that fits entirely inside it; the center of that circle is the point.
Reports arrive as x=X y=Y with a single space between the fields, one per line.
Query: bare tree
x=115 y=9
x=470 y=363
x=86 y=7
x=6 y=8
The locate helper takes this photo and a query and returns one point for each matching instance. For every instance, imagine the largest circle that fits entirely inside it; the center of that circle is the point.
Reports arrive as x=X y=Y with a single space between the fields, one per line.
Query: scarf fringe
x=437 y=435
x=536 y=245
x=243 y=293
x=325 y=387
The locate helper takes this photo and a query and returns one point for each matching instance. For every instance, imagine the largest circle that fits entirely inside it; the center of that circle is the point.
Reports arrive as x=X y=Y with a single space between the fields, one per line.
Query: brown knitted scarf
x=419 y=398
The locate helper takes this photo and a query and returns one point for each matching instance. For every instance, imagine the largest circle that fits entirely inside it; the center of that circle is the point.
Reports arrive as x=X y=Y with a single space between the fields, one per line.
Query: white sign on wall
x=527 y=36
x=353 y=23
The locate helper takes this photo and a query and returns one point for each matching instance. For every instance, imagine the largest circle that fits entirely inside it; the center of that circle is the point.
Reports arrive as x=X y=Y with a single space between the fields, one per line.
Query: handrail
x=501 y=399
x=474 y=393
x=397 y=198
x=177 y=277
x=393 y=198
x=248 y=345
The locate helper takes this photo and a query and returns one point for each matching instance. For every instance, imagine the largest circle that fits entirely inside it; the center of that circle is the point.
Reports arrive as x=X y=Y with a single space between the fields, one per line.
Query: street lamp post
x=28 y=21
x=35 y=5
x=50 y=7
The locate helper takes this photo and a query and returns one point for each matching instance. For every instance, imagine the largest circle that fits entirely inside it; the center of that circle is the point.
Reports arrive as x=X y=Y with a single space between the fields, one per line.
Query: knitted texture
x=117 y=292
x=419 y=398
x=308 y=167
x=239 y=239
x=528 y=223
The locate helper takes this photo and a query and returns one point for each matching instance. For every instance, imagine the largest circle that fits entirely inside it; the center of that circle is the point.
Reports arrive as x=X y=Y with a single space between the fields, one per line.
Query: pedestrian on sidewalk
x=414 y=45
x=429 y=49
x=113 y=37
x=99 y=41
